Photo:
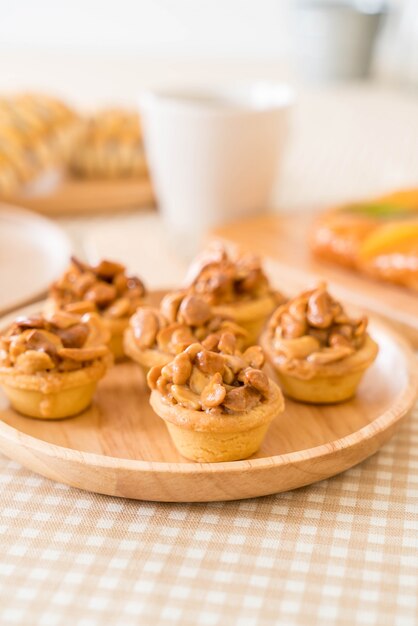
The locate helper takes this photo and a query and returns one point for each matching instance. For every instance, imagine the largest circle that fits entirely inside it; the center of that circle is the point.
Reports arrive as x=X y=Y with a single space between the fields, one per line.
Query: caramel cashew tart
x=236 y=286
x=319 y=352
x=50 y=364
x=105 y=289
x=217 y=404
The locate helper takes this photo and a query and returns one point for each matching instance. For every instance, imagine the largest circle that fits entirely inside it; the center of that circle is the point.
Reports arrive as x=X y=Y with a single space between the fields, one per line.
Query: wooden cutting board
x=79 y=197
x=282 y=239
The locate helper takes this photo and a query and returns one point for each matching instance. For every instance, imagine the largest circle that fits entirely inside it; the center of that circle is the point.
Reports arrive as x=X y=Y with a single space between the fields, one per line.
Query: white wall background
x=107 y=50
x=255 y=29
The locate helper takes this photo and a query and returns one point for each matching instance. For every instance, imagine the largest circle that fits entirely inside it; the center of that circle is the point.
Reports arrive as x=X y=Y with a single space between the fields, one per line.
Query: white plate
x=33 y=252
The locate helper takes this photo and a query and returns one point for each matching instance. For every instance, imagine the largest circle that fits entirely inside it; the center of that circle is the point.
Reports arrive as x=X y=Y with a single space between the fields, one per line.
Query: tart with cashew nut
x=155 y=336
x=236 y=286
x=217 y=404
x=105 y=289
x=320 y=353
x=50 y=364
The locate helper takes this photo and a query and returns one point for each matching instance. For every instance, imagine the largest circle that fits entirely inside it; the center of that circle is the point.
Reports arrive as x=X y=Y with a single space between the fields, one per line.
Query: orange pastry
x=378 y=237
x=391 y=252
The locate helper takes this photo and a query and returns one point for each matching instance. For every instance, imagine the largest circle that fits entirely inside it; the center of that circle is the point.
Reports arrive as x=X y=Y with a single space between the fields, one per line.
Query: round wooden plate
x=121 y=448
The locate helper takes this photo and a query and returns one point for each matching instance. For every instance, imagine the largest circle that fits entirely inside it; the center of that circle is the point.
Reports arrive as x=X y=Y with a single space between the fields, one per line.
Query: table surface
x=343 y=551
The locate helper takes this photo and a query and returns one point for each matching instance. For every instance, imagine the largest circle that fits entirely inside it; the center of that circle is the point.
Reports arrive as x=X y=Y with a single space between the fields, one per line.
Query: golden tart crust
x=251 y=316
x=56 y=396
x=145 y=357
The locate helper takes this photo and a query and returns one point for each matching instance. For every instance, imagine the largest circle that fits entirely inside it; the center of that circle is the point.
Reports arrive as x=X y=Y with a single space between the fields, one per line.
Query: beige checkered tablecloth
x=343 y=552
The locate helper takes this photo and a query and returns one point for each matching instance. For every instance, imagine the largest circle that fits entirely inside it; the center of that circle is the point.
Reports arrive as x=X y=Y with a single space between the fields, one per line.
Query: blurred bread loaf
x=110 y=147
x=36 y=134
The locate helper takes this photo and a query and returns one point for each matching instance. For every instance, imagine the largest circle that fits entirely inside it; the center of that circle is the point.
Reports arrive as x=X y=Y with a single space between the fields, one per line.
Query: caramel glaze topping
x=222 y=278
x=221 y=380
x=181 y=320
x=61 y=342
x=314 y=327
x=104 y=288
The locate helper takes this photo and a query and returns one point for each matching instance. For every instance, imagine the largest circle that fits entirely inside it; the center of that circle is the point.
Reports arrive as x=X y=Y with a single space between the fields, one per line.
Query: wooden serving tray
x=121 y=448
x=78 y=197
x=283 y=239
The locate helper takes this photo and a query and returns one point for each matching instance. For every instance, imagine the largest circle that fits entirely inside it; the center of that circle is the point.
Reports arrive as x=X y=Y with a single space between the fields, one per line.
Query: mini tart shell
x=213 y=438
x=52 y=395
x=251 y=315
x=117 y=328
x=146 y=357
x=327 y=383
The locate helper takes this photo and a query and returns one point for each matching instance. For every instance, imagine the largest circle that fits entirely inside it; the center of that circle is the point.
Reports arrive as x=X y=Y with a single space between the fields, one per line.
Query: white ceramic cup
x=334 y=40
x=213 y=154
